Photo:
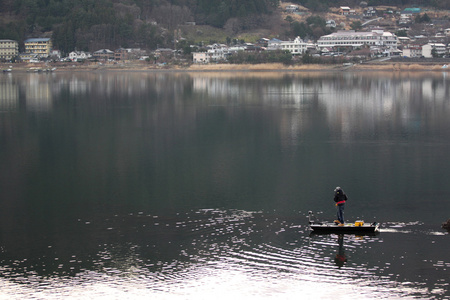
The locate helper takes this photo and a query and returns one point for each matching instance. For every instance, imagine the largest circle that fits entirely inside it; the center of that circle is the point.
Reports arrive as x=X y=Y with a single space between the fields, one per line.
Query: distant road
x=376 y=19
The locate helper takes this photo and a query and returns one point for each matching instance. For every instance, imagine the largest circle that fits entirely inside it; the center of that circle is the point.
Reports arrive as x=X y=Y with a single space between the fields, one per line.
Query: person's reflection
x=340 y=258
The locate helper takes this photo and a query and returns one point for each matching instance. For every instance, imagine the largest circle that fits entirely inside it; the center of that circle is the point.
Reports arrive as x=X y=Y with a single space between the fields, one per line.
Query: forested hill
x=94 y=24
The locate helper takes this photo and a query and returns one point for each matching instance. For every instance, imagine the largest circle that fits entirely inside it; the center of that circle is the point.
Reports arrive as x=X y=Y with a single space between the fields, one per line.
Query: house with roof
x=28 y=57
x=215 y=53
x=370 y=12
x=410 y=12
x=273 y=44
x=39 y=46
x=55 y=53
x=103 y=54
x=79 y=55
x=345 y=11
x=263 y=42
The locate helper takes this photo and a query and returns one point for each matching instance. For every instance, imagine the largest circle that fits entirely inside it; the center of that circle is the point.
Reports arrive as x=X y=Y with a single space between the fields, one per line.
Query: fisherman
x=340 y=197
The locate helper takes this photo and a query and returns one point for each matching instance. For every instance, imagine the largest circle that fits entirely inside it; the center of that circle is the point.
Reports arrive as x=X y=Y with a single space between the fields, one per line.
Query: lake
x=177 y=185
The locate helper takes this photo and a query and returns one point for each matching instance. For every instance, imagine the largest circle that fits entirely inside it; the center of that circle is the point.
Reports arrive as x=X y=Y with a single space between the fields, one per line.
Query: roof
x=36 y=40
x=435 y=44
x=346 y=33
x=412 y=10
x=103 y=51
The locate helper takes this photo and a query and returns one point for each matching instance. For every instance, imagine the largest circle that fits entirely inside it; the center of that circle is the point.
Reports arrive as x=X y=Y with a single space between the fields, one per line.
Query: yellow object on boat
x=359 y=223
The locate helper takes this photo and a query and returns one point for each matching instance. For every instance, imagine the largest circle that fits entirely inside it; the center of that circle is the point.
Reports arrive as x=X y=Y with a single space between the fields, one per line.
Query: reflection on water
x=194 y=185
x=200 y=253
x=9 y=96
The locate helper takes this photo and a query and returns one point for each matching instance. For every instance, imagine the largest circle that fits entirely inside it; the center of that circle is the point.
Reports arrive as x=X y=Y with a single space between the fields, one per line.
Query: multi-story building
x=434 y=48
x=217 y=52
x=412 y=51
x=121 y=54
x=297 y=46
x=8 y=49
x=39 y=46
x=103 y=54
x=353 y=39
x=200 y=57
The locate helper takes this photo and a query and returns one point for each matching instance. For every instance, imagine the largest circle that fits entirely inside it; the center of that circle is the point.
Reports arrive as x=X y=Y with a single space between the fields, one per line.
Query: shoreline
x=272 y=67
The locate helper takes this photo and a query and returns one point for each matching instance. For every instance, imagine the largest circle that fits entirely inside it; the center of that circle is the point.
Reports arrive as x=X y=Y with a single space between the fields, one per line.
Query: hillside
x=94 y=24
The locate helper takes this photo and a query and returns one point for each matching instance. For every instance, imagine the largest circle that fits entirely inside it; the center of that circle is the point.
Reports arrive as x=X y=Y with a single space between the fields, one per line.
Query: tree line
x=94 y=24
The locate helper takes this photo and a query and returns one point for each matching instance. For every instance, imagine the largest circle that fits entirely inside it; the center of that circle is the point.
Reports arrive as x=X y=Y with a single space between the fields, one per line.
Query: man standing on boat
x=340 y=197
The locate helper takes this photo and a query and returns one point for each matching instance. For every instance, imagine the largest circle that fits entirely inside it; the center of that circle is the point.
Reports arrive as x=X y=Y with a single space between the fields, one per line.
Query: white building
x=238 y=48
x=217 y=52
x=200 y=57
x=370 y=12
x=427 y=50
x=291 y=8
x=331 y=24
x=295 y=47
x=412 y=51
x=353 y=39
x=344 y=10
x=55 y=53
x=78 y=55
x=214 y=53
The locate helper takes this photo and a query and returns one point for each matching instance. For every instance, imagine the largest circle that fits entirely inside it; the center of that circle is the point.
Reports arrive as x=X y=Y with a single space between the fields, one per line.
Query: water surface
x=197 y=185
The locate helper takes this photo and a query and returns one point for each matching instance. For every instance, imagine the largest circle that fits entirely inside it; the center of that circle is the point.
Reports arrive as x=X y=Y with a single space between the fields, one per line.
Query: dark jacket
x=340 y=197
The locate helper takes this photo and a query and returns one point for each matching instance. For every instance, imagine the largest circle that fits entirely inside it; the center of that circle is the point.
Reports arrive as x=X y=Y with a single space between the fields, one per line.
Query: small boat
x=359 y=227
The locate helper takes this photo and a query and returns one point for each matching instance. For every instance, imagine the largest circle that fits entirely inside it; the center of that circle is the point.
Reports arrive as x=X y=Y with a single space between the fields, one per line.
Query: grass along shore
x=144 y=66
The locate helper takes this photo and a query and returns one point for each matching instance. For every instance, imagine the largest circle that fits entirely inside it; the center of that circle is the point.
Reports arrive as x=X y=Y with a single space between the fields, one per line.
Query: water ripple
x=210 y=253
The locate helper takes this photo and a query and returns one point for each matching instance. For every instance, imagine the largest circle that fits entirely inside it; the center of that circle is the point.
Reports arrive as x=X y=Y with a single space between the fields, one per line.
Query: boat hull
x=347 y=228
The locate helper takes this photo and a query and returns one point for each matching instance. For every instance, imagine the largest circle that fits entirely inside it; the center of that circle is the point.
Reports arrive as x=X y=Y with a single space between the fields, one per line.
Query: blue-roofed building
x=39 y=46
x=409 y=12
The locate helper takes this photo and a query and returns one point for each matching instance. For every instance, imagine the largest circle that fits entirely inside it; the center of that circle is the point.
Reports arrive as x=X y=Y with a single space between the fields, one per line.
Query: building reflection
x=9 y=96
x=38 y=94
x=350 y=104
x=347 y=104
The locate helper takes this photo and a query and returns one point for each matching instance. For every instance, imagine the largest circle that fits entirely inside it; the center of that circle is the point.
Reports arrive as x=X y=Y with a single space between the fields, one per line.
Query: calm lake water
x=198 y=185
